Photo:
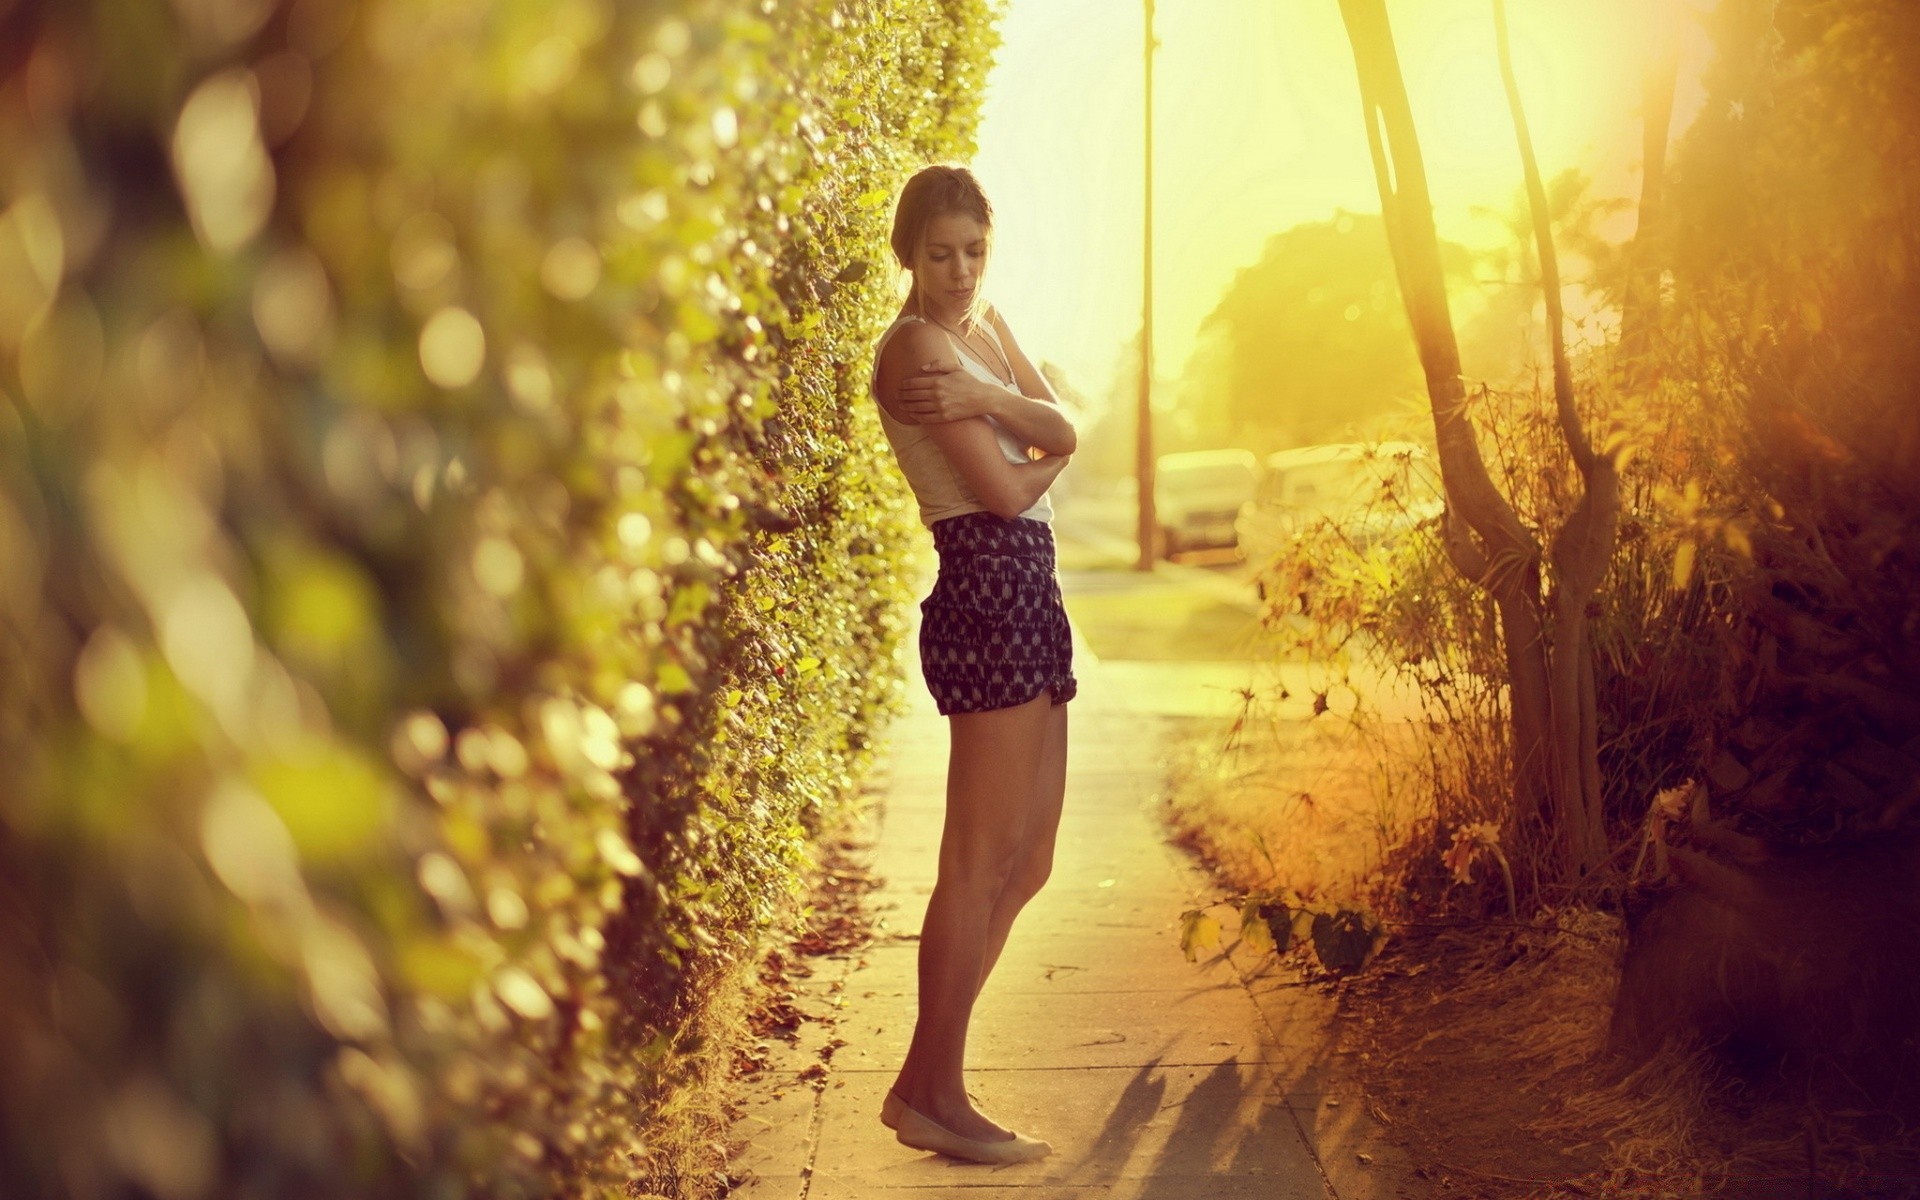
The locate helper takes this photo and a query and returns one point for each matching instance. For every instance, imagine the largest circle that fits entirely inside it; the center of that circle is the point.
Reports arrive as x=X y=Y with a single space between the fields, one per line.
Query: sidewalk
x=1154 y=1078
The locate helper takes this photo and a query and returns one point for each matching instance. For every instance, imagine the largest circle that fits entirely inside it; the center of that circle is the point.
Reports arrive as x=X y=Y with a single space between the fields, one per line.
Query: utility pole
x=1149 y=522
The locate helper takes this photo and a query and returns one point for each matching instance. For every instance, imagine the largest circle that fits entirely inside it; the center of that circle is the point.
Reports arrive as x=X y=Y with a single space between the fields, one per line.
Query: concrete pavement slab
x=1088 y=961
x=1168 y=1123
x=1066 y=1030
x=1155 y=1078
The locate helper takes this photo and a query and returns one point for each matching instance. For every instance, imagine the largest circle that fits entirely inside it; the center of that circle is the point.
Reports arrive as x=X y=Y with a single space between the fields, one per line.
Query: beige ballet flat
x=924 y=1133
x=891 y=1106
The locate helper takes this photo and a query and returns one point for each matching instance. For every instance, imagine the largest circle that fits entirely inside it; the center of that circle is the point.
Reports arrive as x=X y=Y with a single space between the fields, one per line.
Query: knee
x=984 y=869
x=1030 y=873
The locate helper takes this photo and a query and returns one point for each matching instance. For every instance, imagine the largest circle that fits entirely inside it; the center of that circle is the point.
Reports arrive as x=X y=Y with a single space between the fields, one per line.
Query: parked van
x=1198 y=494
x=1373 y=491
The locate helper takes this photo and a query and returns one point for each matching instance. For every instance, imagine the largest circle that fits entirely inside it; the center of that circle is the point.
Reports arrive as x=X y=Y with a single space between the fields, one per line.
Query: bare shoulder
x=914 y=345
x=1033 y=383
x=1000 y=326
x=911 y=347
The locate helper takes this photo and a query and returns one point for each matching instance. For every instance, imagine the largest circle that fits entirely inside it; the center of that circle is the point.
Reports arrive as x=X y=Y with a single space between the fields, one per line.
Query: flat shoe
x=924 y=1133
x=891 y=1106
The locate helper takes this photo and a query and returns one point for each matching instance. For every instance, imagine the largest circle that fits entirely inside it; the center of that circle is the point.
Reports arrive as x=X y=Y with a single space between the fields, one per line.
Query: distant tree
x=1315 y=339
x=1646 y=258
x=1195 y=410
x=1508 y=334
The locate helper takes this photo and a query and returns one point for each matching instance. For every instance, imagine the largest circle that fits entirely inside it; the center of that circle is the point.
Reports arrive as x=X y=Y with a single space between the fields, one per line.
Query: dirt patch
x=834 y=920
x=1481 y=1046
x=1483 y=1049
x=1473 y=1085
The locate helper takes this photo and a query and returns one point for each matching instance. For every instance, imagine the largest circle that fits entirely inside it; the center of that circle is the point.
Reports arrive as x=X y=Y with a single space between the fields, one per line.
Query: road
x=1182 y=640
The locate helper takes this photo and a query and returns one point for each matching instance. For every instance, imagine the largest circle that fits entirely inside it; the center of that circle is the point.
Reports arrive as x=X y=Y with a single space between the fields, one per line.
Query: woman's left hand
x=944 y=392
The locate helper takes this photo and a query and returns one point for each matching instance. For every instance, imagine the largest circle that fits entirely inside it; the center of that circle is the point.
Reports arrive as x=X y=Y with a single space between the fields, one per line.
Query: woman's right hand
x=943 y=391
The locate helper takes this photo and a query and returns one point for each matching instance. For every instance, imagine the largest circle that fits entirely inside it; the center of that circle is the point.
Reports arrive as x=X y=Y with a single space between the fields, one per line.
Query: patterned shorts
x=993 y=632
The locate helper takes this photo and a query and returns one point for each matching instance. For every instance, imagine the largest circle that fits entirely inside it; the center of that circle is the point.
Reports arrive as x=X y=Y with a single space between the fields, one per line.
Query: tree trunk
x=1550 y=676
x=1584 y=547
x=1484 y=537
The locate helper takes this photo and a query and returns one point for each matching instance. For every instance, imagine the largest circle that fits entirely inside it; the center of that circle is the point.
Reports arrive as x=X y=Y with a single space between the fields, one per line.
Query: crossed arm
x=939 y=390
x=1006 y=488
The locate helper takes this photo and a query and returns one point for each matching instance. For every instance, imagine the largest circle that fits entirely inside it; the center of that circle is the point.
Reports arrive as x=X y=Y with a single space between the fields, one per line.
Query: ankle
x=922 y=1093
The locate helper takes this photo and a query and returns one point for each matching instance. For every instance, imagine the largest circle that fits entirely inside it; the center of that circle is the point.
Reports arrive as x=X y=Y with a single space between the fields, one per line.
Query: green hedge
x=446 y=566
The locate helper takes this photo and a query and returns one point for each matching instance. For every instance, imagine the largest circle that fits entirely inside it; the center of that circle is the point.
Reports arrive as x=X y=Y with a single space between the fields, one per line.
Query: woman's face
x=952 y=258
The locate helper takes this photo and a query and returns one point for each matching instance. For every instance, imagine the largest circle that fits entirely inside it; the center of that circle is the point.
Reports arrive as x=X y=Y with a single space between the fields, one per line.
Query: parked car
x=1373 y=491
x=1198 y=495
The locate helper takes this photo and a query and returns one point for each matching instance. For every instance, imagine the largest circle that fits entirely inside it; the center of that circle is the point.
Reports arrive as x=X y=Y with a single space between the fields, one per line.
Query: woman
x=980 y=436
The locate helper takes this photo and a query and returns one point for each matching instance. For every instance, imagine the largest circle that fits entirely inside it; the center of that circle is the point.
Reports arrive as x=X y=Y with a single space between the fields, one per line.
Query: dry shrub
x=1286 y=804
x=1759 y=628
x=687 y=1134
x=1397 y=611
x=1683 y=664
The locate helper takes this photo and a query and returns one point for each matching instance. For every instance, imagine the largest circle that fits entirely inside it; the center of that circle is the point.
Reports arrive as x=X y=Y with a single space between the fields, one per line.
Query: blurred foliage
x=1506 y=337
x=1309 y=342
x=1759 y=625
x=1795 y=334
x=446 y=569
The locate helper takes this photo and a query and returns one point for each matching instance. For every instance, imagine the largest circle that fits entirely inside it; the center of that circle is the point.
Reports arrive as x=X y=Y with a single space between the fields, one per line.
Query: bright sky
x=1257 y=128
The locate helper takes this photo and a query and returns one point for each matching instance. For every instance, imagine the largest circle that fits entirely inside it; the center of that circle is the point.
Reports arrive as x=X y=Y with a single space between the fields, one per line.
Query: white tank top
x=936 y=483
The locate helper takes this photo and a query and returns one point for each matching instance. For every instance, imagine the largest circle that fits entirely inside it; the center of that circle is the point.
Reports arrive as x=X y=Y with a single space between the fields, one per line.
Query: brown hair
x=938 y=191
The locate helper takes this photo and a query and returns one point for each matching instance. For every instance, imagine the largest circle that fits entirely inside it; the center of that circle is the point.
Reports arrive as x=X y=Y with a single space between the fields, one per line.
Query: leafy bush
x=1796 y=305
x=1756 y=625
x=445 y=567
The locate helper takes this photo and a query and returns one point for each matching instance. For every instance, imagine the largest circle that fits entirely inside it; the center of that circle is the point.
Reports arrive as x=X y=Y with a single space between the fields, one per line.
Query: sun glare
x=1258 y=130
x=1466 y=128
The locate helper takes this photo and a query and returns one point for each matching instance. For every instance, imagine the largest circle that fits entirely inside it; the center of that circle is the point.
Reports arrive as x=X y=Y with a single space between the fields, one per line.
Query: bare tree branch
x=1549 y=260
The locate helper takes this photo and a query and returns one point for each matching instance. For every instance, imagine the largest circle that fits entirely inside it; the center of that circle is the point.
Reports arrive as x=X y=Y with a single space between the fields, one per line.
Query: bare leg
x=1034 y=859
x=1035 y=863
x=993 y=764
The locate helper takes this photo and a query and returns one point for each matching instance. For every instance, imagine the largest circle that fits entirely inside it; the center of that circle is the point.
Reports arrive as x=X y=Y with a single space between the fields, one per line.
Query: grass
x=1292 y=803
x=687 y=1133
